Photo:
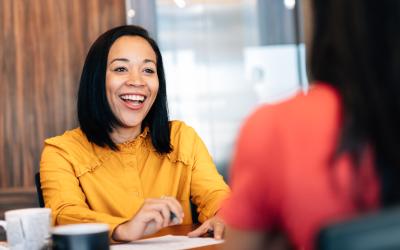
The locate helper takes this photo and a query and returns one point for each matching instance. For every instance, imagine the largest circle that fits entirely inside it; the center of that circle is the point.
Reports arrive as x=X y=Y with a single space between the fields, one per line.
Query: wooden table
x=174 y=230
x=183 y=230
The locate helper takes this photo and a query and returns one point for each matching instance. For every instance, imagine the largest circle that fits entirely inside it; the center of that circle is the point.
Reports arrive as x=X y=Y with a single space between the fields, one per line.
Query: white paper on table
x=167 y=242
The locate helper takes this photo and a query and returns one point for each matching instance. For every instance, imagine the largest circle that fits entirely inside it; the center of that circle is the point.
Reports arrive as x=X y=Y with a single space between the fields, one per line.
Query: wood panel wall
x=43 y=44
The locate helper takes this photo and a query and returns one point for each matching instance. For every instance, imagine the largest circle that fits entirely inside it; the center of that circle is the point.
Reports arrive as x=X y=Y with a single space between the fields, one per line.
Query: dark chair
x=39 y=190
x=195 y=214
x=378 y=231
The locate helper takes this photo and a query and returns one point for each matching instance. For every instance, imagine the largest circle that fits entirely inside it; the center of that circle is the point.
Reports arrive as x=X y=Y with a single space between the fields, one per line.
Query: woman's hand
x=214 y=224
x=152 y=216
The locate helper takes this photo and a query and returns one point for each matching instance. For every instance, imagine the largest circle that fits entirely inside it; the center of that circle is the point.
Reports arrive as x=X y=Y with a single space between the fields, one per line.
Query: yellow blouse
x=83 y=182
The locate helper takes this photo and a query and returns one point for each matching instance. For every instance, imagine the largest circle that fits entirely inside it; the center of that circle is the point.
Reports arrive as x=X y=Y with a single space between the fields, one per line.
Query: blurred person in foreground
x=331 y=153
x=127 y=165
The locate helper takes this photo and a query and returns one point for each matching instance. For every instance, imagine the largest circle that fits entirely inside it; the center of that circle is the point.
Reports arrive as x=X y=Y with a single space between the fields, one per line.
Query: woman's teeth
x=133 y=98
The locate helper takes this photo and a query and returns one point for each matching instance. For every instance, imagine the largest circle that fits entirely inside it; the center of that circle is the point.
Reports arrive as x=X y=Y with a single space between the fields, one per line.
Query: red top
x=281 y=174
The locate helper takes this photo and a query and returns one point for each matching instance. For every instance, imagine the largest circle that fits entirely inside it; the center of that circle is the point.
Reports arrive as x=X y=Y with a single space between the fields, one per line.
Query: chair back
x=378 y=231
x=39 y=190
x=195 y=214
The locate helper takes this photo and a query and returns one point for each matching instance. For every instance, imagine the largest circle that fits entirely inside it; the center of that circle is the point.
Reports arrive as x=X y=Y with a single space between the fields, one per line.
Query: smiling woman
x=127 y=165
x=131 y=84
x=116 y=58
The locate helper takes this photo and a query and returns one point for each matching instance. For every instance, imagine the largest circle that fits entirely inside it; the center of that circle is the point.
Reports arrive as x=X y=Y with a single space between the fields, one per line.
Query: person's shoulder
x=180 y=128
x=74 y=147
x=183 y=141
x=70 y=136
x=319 y=100
x=315 y=112
x=70 y=140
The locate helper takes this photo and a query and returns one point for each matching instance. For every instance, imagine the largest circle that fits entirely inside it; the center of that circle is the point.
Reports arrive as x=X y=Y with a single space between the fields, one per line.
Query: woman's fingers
x=201 y=230
x=145 y=222
x=174 y=207
x=219 y=229
x=155 y=224
x=213 y=226
x=159 y=210
x=163 y=210
x=152 y=216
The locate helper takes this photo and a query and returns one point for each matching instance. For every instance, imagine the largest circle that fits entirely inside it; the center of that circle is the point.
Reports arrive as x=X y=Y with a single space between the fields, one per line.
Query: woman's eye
x=120 y=69
x=149 y=71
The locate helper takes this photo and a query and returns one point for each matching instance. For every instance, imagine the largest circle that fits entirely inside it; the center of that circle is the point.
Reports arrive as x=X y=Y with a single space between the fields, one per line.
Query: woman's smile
x=133 y=101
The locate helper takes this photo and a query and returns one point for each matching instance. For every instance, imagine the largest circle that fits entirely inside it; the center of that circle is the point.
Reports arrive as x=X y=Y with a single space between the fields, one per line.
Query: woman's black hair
x=356 y=49
x=95 y=117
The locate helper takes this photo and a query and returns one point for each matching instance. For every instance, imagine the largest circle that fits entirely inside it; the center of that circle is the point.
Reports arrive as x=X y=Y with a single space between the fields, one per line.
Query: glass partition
x=225 y=57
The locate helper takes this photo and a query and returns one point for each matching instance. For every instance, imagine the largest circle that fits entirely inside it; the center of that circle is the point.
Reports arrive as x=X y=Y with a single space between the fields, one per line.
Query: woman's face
x=131 y=80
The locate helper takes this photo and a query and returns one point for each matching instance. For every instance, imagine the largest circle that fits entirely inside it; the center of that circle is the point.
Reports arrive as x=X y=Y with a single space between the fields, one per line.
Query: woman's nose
x=134 y=83
x=135 y=80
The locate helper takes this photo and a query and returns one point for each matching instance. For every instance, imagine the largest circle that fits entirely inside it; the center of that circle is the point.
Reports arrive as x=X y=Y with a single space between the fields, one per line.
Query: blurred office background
x=222 y=59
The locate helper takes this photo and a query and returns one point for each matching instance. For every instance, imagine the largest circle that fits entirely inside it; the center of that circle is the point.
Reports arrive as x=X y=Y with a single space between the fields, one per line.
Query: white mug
x=27 y=228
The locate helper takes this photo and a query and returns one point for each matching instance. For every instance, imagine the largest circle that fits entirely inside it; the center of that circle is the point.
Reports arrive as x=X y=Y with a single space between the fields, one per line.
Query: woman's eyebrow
x=126 y=60
x=149 y=60
x=119 y=59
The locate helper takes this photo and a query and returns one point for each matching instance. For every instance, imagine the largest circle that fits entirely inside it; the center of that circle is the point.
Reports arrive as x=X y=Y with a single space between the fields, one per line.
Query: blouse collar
x=134 y=143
